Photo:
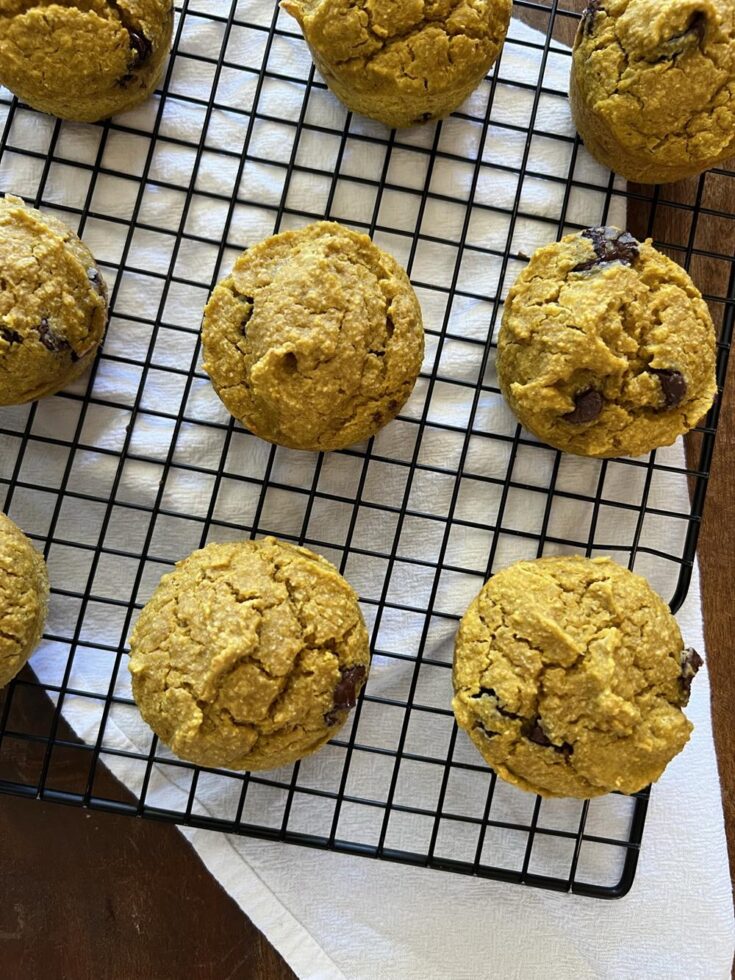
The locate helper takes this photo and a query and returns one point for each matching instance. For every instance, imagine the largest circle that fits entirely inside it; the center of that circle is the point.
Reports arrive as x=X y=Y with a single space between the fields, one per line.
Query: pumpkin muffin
x=606 y=346
x=403 y=63
x=249 y=655
x=315 y=340
x=570 y=676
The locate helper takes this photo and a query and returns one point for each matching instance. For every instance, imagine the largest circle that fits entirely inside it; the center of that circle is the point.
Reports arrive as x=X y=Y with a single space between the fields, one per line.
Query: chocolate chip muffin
x=249 y=655
x=53 y=304
x=84 y=61
x=570 y=676
x=403 y=63
x=24 y=594
x=315 y=341
x=606 y=346
x=653 y=86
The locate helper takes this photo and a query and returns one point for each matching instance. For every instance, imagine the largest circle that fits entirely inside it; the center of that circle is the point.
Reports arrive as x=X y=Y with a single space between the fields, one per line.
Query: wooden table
x=87 y=895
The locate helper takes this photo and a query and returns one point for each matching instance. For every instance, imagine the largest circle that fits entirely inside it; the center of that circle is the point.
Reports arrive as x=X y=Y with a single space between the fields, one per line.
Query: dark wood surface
x=717 y=559
x=89 y=895
x=717 y=553
x=94 y=896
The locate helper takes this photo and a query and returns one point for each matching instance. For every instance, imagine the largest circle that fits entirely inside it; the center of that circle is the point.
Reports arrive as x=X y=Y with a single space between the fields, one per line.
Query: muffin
x=24 y=594
x=606 y=346
x=84 y=61
x=53 y=304
x=315 y=341
x=403 y=63
x=653 y=86
x=570 y=676
x=249 y=655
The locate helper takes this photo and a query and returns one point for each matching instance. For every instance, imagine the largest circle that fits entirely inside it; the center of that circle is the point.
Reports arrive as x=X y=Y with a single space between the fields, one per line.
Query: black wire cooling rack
x=134 y=467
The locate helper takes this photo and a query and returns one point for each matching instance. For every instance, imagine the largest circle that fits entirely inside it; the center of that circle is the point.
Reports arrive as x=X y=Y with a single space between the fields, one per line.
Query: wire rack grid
x=135 y=466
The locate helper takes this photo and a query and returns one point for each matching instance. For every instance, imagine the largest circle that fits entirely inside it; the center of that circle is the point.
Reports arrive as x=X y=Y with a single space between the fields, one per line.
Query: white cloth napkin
x=331 y=915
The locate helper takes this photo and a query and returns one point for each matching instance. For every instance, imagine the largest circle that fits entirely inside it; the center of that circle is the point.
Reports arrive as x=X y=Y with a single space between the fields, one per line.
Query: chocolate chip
x=610 y=245
x=424 y=117
x=12 y=336
x=389 y=326
x=346 y=691
x=538 y=736
x=489 y=692
x=587 y=407
x=53 y=342
x=673 y=386
x=690 y=664
x=589 y=15
x=141 y=46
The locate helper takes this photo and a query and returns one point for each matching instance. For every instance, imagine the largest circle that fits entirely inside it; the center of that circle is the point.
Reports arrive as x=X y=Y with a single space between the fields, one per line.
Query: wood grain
x=88 y=895
x=717 y=563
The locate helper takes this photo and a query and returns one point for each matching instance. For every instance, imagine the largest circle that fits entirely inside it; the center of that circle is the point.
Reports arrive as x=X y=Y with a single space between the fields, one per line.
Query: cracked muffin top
x=403 y=63
x=24 y=593
x=606 y=346
x=83 y=59
x=570 y=675
x=249 y=655
x=315 y=341
x=653 y=85
x=53 y=304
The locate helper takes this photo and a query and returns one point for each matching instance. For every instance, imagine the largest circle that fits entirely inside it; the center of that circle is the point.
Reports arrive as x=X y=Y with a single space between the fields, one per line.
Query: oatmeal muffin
x=249 y=655
x=606 y=346
x=53 y=304
x=315 y=340
x=84 y=61
x=653 y=86
x=403 y=63
x=570 y=676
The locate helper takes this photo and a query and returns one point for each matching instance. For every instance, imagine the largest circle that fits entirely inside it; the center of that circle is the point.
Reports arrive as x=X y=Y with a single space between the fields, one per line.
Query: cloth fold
x=332 y=916
x=188 y=478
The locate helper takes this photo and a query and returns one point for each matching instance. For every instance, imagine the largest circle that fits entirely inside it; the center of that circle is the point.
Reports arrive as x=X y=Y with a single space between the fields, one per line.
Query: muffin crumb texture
x=570 y=675
x=24 y=592
x=249 y=655
x=403 y=63
x=606 y=346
